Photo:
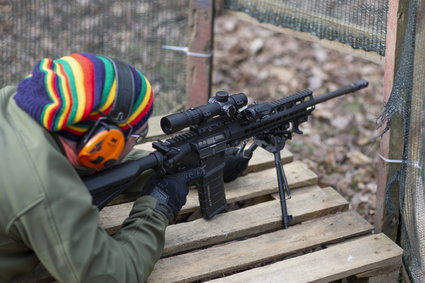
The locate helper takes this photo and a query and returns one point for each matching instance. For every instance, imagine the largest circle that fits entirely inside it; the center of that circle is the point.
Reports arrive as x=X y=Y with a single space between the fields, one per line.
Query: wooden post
x=219 y=6
x=391 y=143
x=199 y=65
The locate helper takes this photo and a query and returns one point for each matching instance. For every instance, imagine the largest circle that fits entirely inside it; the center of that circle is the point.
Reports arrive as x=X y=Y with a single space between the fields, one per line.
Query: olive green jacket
x=46 y=213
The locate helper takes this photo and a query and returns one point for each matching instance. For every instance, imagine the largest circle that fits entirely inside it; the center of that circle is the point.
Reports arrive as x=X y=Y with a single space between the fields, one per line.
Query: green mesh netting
x=133 y=31
x=358 y=23
x=407 y=101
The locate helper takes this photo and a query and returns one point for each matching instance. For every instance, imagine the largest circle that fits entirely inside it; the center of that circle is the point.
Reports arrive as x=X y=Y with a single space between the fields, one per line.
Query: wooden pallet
x=325 y=242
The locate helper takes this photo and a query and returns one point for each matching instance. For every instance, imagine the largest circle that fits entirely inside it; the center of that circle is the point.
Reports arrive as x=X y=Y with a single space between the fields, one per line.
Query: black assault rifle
x=226 y=121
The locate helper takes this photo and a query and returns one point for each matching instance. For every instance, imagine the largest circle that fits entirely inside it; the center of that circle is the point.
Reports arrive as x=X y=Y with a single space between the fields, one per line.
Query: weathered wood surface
x=263 y=249
x=335 y=262
x=390 y=145
x=306 y=204
x=199 y=67
x=338 y=46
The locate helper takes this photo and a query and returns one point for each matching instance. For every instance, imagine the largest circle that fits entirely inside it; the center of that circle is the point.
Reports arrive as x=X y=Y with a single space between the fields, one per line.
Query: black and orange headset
x=102 y=145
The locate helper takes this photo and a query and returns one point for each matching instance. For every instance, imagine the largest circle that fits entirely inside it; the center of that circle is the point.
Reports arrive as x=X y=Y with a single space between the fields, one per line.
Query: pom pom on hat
x=67 y=94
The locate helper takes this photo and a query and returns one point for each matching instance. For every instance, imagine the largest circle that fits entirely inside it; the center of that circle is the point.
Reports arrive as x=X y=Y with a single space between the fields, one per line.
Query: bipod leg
x=283 y=188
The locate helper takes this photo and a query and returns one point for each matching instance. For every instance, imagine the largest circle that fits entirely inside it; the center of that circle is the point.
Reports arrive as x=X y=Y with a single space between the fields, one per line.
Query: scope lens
x=166 y=125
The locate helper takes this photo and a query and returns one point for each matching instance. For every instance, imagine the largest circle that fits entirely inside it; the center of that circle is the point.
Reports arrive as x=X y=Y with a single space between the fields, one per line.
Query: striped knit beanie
x=68 y=94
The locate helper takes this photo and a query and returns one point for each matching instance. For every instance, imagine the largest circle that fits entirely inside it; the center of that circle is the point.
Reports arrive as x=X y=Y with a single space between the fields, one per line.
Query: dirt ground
x=340 y=141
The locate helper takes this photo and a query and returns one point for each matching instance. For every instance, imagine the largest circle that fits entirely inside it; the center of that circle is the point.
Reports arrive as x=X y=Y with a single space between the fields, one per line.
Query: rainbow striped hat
x=68 y=94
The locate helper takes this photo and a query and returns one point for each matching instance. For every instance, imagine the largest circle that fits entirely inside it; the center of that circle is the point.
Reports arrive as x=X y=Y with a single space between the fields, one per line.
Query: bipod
x=274 y=144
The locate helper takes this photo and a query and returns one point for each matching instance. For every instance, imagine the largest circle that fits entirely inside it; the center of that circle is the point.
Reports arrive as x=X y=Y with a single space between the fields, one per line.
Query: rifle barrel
x=355 y=86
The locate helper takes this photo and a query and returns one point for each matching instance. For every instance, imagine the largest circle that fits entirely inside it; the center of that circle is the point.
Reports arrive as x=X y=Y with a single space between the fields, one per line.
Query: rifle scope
x=220 y=104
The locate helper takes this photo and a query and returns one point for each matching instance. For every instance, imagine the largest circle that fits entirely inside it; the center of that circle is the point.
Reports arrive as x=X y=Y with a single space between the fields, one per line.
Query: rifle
x=225 y=121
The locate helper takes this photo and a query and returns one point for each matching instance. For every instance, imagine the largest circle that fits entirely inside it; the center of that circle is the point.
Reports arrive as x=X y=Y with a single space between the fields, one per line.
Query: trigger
x=296 y=129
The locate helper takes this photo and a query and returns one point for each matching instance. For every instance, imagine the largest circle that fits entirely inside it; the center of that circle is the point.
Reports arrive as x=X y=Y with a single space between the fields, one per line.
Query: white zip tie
x=186 y=50
x=412 y=163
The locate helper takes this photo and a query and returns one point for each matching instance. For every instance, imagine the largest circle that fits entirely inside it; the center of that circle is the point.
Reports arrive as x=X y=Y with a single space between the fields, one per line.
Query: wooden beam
x=338 y=46
x=333 y=263
x=199 y=66
x=239 y=255
x=219 y=4
x=390 y=145
x=306 y=204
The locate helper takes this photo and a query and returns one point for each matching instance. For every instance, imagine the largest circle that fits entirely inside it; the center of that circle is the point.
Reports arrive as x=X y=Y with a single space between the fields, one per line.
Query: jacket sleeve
x=62 y=229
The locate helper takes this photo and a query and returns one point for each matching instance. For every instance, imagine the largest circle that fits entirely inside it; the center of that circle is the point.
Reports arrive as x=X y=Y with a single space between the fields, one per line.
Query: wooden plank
x=387 y=274
x=336 y=262
x=309 y=16
x=338 y=46
x=306 y=203
x=218 y=7
x=246 y=187
x=405 y=275
x=390 y=146
x=234 y=256
x=201 y=36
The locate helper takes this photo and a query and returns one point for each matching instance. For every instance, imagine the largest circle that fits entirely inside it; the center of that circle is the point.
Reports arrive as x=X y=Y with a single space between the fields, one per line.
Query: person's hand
x=236 y=162
x=171 y=191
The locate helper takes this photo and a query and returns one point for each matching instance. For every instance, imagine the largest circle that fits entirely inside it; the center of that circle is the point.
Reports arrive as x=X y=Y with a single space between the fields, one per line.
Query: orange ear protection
x=103 y=143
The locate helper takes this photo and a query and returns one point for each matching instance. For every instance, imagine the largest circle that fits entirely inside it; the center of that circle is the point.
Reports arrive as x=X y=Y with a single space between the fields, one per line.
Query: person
x=71 y=117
